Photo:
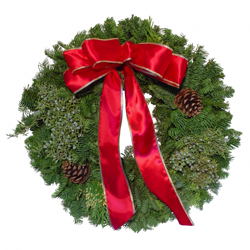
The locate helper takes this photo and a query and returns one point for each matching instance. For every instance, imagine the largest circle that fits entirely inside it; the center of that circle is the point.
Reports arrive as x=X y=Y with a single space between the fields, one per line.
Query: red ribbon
x=98 y=58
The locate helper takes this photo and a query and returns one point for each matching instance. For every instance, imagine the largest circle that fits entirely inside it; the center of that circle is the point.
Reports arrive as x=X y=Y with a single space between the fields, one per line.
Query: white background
x=30 y=218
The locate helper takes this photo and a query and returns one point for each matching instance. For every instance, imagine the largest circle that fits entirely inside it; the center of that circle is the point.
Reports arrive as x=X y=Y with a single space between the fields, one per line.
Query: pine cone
x=76 y=174
x=189 y=102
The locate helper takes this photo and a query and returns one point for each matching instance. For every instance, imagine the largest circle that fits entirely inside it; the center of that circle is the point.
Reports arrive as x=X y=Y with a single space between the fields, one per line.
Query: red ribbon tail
x=118 y=194
x=146 y=149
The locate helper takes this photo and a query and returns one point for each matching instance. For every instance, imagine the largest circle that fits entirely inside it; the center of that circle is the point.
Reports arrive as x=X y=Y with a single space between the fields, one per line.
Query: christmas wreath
x=192 y=126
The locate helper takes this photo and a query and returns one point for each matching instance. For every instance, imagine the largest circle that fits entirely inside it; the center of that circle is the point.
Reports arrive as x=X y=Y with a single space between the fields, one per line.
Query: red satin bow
x=98 y=58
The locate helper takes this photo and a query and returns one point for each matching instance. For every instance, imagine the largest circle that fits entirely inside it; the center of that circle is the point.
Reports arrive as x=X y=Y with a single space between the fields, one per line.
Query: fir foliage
x=64 y=126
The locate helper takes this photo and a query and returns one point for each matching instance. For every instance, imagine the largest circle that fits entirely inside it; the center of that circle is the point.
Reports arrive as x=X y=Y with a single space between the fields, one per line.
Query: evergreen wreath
x=196 y=148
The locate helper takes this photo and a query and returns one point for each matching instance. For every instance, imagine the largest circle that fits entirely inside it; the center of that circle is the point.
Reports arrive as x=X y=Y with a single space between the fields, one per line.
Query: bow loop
x=151 y=58
x=103 y=53
x=77 y=61
x=157 y=61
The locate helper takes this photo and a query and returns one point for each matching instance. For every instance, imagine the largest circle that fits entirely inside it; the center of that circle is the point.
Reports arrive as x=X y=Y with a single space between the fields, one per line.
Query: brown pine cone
x=76 y=174
x=189 y=102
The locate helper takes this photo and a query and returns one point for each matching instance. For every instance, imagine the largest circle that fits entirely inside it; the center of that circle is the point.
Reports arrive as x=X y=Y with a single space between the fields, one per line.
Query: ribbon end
x=118 y=222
